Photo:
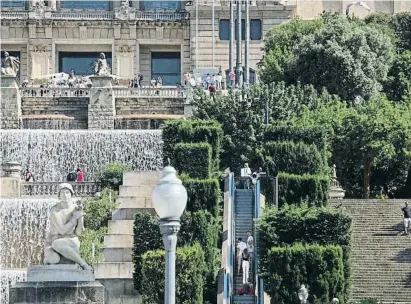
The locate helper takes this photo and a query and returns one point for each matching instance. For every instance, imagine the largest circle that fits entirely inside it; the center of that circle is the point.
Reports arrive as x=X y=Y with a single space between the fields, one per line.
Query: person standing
x=250 y=246
x=407 y=218
x=246 y=265
x=240 y=248
x=80 y=176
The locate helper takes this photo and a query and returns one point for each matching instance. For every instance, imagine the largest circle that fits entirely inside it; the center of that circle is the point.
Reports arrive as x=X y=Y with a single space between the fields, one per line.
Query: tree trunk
x=367 y=175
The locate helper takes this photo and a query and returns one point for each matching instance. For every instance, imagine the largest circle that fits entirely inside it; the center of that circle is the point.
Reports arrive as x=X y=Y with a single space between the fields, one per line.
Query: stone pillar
x=10 y=182
x=10 y=103
x=101 y=107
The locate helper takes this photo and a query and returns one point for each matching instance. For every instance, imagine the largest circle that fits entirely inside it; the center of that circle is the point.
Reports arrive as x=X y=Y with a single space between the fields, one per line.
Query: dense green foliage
x=87 y=239
x=111 y=176
x=98 y=209
x=193 y=159
x=292 y=225
x=191 y=267
x=203 y=194
x=297 y=158
x=319 y=267
x=398 y=85
x=192 y=131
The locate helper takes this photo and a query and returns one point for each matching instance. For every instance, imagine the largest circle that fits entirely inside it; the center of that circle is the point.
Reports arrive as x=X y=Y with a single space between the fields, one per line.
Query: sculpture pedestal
x=10 y=103
x=101 y=107
x=62 y=283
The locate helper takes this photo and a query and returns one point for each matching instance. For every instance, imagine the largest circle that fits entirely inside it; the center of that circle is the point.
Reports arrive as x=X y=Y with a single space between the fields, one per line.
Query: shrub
x=369 y=301
x=192 y=131
x=319 y=267
x=290 y=157
x=147 y=236
x=190 y=271
x=87 y=239
x=193 y=159
x=306 y=225
x=98 y=209
x=203 y=194
x=111 y=176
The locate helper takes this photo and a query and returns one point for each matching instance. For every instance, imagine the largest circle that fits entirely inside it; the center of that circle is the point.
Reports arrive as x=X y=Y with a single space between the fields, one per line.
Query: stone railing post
x=10 y=103
x=10 y=182
x=101 y=106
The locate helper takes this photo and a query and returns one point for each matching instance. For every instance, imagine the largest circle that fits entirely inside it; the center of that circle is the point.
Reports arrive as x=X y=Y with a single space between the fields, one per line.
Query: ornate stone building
x=156 y=38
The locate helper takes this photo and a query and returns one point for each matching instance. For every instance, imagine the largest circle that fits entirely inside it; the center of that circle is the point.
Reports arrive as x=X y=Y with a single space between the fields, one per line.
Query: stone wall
x=127 y=106
x=10 y=109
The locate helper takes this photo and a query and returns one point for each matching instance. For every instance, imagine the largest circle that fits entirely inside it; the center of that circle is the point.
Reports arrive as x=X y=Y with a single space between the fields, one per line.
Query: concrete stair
x=243 y=202
x=381 y=255
x=116 y=272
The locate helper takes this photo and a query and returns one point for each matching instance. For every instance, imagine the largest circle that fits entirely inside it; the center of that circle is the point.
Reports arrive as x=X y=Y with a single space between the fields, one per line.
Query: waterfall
x=24 y=224
x=52 y=154
x=8 y=277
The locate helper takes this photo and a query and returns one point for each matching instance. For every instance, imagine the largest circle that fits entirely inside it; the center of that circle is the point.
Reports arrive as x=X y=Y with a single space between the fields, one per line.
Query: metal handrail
x=257 y=214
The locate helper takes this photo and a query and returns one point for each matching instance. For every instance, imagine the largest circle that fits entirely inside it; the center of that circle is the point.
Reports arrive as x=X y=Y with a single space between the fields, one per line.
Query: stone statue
x=125 y=3
x=10 y=66
x=334 y=171
x=66 y=225
x=100 y=66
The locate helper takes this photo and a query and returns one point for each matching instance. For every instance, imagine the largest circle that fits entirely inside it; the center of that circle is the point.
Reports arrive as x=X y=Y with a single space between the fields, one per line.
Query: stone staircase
x=381 y=255
x=116 y=272
x=243 y=202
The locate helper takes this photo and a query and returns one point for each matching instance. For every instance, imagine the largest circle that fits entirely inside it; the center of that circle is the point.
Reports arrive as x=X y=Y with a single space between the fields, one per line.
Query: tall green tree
x=398 y=85
x=347 y=58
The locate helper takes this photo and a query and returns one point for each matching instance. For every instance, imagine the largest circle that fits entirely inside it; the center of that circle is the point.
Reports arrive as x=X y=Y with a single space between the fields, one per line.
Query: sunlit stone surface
x=52 y=154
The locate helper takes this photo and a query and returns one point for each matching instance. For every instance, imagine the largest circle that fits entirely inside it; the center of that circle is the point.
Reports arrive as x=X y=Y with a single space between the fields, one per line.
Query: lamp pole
x=247 y=42
x=213 y=40
x=197 y=34
x=169 y=200
x=239 y=74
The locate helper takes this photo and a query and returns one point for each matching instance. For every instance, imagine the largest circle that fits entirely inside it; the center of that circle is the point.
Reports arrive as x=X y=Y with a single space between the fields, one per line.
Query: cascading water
x=8 y=277
x=23 y=224
x=52 y=154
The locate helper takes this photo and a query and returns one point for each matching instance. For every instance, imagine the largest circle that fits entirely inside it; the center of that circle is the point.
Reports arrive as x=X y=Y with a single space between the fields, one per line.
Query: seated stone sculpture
x=66 y=225
x=100 y=66
x=10 y=65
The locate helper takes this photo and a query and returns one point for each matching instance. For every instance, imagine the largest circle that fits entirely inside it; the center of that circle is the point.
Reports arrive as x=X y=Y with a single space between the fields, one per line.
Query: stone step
x=136 y=191
x=114 y=270
x=114 y=254
x=129 y=213
x=134 y=202
x=121 y=226
x=118 y=241
x=141 y=178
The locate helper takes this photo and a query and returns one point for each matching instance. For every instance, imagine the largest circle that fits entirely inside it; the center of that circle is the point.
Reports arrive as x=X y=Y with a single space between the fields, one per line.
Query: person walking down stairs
x=246 y=265
x=241 y=246
x=407 y=218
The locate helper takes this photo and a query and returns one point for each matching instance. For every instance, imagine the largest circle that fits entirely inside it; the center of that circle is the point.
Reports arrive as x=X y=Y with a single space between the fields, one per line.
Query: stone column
x=10 y=182
x=10 y=103
x=101 y=107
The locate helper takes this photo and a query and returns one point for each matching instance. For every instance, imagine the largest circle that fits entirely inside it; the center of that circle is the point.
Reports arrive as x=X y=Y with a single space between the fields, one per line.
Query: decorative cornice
x=40 y=48
x=125 y=49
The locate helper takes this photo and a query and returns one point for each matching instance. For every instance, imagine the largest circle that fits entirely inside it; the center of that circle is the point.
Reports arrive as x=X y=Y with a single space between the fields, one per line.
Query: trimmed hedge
x=111 y=176
x=192 y=131
x=203 y=194
x=190 y=271
x=193 y=159
x=290 y=157
x=306 y=225
x=320 y=268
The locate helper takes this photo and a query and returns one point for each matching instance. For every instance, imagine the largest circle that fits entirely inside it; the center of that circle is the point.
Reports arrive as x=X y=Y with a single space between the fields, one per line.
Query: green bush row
x=306 y=225
x=203 y=194
x=111 y=176
x=190 y=271
x=319 y=267
x=290 y=157
x=192 y=131
x=193 y=159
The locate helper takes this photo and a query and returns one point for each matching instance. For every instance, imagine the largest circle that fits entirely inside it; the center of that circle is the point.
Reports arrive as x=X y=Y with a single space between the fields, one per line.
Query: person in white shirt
x=250 y=246
x=240 y=248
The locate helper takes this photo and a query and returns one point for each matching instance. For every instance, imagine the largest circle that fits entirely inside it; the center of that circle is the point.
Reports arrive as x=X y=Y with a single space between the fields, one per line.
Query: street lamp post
x=169 y=200
x=303 y=294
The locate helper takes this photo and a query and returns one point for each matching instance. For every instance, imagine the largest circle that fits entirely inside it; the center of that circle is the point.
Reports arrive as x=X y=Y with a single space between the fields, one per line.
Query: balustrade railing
x=50 y=188
x=149 y=92
x=93 y=15
x=54 y=92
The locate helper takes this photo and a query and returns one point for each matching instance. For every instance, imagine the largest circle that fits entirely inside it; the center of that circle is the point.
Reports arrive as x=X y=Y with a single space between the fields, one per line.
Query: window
x=13 y=3
x=252 y=76
x=160 y=5
x=255 y=29
x=166 y=65
x=80 y=62
x=86 y=4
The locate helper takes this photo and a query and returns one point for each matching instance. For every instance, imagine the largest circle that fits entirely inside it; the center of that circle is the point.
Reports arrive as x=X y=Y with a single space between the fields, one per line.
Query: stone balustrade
x=50 y=188
x=54 y=92
x=149 y=92
x=92 y=15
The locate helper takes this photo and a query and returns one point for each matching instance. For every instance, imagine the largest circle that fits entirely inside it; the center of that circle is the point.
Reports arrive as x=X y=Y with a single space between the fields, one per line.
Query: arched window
x=252 y=76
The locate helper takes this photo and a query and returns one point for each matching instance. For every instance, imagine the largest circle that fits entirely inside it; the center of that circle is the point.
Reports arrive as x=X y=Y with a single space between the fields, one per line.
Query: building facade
x=157 y=38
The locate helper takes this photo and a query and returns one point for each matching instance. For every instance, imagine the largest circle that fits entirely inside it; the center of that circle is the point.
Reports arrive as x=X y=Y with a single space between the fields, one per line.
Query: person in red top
x=80 y=176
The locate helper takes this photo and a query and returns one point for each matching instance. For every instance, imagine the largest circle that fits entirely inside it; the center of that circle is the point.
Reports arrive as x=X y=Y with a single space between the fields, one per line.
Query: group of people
x=209 y=82
x=245 y=255
x=77 y=176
